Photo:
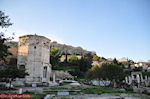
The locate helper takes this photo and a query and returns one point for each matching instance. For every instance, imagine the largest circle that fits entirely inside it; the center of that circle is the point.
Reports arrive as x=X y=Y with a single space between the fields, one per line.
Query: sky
x=112 y=28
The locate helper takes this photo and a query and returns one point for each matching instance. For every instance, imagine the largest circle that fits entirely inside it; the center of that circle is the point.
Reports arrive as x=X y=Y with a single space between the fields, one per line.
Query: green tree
x=138 y=69
x=12 y=62
x=115 y=61
x=146 y=74
x=66 y=56
x=4 y=20
x=88 y=57
x=74 y=60
x=4 y=23
x=85 y=62
x=96 y=58
x=95 y=73
x=112 y=72
x=10 y=73
x=55 y=55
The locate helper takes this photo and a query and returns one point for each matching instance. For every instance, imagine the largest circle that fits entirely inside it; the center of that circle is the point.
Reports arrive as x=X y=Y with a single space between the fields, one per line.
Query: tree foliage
x=66 y=56
x=106 y=72
x=74 y=60
x=4 y=23
x=115 y=61
x=113 y=71
x=4 y=20
x=146 y=73
x=55 y=55
x=138 y=69
x=85 y=62
x=96 y=58
x=10 y=73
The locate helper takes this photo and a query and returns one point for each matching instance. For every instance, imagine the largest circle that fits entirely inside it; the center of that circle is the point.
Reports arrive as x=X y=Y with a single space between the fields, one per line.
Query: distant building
x=140 y=64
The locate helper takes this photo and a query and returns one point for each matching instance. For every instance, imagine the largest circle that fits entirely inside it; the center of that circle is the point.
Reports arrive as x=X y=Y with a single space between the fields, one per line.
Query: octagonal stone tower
x=34 y=57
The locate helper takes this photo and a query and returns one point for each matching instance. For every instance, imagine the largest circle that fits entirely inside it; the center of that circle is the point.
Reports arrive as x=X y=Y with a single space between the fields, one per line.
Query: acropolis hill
x=62 y=47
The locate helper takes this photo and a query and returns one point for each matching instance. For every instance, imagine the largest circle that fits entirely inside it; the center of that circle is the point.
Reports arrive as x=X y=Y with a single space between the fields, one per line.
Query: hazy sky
x=112 y=28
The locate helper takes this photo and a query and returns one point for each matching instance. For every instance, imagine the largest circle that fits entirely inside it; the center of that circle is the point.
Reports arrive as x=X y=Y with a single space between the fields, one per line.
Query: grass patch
x=100 y=90
x=65 y=68
x=92 y=90
x=37 y=96
x=65 y=83
x=7 y=89
x=57 y=88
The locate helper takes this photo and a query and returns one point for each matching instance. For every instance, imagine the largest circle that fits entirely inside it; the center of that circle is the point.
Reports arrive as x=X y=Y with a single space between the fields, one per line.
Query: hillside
x=62 y=47
x=70 y=49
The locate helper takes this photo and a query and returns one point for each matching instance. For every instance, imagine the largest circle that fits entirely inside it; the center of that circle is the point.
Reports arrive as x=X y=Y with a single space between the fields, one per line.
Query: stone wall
x=33 y=55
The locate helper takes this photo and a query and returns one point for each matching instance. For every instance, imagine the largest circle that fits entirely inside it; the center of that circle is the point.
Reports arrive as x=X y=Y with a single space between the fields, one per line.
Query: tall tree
x=73 y=60
x=115 y=61
x=86 y=62
x=66 y=56
x=4 y=23
x=4 y=20
x=10 y=73
x=55 y=55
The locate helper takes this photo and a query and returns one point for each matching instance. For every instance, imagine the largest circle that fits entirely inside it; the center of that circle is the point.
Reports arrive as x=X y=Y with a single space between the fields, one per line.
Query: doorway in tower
x=45 y=72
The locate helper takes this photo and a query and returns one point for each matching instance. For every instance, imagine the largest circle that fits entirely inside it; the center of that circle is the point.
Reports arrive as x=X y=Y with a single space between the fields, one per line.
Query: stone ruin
x=34 y=57
x=137 y=79
x=138 y=82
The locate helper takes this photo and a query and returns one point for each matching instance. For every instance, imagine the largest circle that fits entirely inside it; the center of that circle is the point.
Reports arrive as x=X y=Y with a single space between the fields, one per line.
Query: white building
x=140 y=64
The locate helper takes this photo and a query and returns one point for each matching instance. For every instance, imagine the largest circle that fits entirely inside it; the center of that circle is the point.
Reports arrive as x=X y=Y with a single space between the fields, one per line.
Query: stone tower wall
x=34 y=54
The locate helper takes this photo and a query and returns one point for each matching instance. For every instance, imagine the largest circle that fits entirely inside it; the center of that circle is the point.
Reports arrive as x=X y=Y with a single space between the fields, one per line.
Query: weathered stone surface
x=33 y=55
x=70 y=49
x=62 y=75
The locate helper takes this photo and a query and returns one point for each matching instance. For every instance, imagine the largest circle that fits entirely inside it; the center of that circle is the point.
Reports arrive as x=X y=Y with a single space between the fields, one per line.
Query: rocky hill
x=62 y=47
x=70 y=49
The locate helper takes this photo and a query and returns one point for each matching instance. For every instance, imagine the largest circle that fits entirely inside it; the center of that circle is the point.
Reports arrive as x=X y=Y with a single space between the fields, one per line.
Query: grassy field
x=95 y=90
x=7 y=89
x=92 y=90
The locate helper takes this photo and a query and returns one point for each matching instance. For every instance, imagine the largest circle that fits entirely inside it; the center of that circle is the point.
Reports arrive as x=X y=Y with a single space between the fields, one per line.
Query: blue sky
x=112 y=28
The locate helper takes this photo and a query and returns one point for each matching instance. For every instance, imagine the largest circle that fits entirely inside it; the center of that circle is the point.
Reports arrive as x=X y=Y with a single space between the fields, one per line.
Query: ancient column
x=126 y=79
x=132 y=77
x=142 y=78
x=54 y=77
x=138 y=78
x=130 y=80
x=146 y=81
x=145 y=78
